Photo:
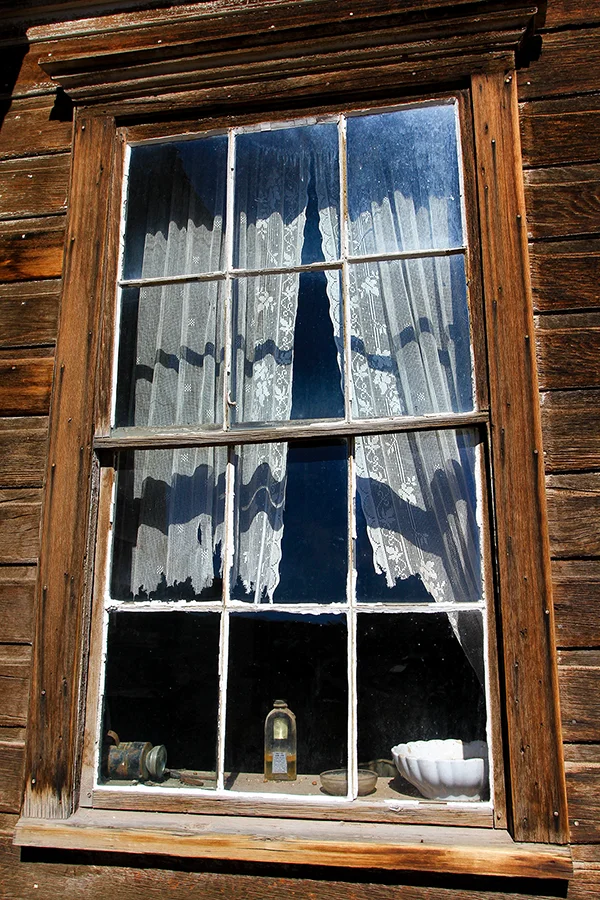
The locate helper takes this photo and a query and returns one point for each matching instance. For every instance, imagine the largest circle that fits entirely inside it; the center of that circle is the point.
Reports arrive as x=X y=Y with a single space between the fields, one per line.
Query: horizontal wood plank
x=574 y=514
x=563 y=201
x=12 y=761
x=582 y=753
x=23 y=446
x=585 y=884
x=15 y=672
x=35 y=126
x=583 y=791
x=568 y=64
x=587 y=854
x=356 y=845
x=17 y=594
x=580 y=698
x=23 y=76
x=31 y=248
x=571 y=12
x=568 y=349
x=560 y=132
x=571 y=430
x=25 y=386
x=576 y=590
x=34 y=186
x=29 y=313
x=89 y=876
x=565 y=275
x=19 y=525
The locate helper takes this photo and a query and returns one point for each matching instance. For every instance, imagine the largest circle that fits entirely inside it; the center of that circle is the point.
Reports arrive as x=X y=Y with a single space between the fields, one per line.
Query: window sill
x=472 y=851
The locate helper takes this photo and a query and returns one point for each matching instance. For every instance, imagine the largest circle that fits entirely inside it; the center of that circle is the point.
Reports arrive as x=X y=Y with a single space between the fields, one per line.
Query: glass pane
x=421 y=678
x=290 y=523
x=288 y=347
x=403 y=181
x=162 y=689
x=175 y=218
x=418 y=536
x=303 y=660
x=411 y=351
x=171 y=354
x=279 y=174
x=169 y=525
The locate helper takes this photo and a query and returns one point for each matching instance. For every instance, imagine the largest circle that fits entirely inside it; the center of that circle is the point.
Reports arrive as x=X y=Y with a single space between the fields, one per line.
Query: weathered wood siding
x=560 y=125
x=35 y=142
x=560 y=128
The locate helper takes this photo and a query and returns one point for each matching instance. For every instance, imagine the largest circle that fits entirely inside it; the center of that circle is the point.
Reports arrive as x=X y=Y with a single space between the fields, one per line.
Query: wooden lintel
x=316 y=46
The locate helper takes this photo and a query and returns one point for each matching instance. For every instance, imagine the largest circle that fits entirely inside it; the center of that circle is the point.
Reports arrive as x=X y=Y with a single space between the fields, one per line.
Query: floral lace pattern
x=410 y=355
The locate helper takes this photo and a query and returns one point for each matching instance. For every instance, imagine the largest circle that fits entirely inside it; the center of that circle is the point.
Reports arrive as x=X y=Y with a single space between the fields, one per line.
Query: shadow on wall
x=12 y=61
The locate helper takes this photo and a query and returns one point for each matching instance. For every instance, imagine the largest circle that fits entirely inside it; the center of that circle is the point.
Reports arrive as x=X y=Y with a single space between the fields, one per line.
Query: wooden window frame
x=109 y=442
x=463 y=49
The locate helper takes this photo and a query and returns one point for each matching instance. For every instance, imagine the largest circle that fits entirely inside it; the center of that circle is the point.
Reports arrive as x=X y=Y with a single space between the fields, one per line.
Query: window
x=497 y=429
x=294 y=312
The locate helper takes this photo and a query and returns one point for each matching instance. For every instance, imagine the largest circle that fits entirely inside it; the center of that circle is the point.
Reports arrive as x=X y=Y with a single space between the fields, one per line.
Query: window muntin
x=250 y=568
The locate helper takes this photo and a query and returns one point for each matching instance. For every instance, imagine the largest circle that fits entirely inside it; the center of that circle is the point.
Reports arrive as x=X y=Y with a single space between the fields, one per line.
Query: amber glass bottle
x=280 y=743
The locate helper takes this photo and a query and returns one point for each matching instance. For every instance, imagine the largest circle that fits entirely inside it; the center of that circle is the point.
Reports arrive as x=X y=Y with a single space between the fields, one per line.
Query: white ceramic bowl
x=444 y=770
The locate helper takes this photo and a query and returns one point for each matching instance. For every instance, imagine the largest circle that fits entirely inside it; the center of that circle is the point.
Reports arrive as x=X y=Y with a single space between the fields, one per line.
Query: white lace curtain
x=410 y=356
x=179 y=374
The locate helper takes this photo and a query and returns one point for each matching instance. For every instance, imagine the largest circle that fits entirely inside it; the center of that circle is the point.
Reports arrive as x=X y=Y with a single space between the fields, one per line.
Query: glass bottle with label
x=280 y=743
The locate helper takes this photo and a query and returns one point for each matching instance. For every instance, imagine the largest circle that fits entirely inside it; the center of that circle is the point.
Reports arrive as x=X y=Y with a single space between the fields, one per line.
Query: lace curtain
x=410 y=355
x=179 y=494
x=271 y=199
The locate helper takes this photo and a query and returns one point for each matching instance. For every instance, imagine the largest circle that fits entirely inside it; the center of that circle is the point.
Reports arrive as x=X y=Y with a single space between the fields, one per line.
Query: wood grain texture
x=31 y=248
x=579 y=679
x=33 y=127
x=586 y=854
x=571 y=12
x=89 y=876
x=25 y=385
x=538 y=800
x=568 y=64
x=583 y=788
x=582 y=753
x=559 y=132
x=568 y=349
x=57 y=683
x=12 y=759
x=29 y=313
x=585 y=884
x=576 y=589
x=566 y=275
x=15 y=667
x=354 y=845
x=31 y=80
x=571 y=430
x=19 y=525
x=23 y=444
x=574 y=514
x=34 y=186
x=563 y=201
x=17 y=590
x=360 y=83
x=237 y=806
